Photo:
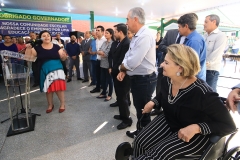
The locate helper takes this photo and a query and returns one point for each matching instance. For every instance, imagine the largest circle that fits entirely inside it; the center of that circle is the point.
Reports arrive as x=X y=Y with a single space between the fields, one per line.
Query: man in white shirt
x=215 y=42
x=99 y=41
x=139 y=63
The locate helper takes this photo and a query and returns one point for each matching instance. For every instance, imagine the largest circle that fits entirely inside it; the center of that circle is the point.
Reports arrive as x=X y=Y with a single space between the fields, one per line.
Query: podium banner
x=18 y=24
x=17 y=55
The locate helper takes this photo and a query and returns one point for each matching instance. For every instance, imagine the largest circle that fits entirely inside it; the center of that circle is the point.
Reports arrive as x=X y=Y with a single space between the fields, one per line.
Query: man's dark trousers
x=98 y=74
x=122 y=89
x=86 y=68
x=142 y=88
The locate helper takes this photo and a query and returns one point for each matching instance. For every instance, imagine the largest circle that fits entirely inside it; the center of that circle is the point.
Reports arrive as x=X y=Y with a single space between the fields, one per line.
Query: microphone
x=35 y=42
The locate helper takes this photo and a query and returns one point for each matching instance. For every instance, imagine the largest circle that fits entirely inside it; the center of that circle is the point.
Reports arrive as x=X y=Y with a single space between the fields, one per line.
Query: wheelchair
x=217 y=149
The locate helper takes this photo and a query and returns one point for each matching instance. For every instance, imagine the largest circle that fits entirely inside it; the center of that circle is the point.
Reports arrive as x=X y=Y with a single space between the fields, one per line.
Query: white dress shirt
x=181 y=40
x=236 y=44
x=140 y=59
x=99 y=43
x=216 y=42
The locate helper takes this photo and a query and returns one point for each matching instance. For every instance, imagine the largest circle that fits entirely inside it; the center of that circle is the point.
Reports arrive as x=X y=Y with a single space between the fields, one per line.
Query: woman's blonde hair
x=185 y=57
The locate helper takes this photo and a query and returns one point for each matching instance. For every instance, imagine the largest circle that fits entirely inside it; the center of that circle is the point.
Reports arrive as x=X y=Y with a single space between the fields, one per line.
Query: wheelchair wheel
x=123 y=151
x=233 y=154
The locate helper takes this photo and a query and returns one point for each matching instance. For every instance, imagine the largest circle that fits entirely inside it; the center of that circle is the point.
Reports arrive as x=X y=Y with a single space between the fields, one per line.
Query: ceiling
x=155 y=9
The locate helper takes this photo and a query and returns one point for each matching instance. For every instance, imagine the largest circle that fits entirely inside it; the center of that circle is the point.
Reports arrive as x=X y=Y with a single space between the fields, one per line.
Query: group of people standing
x=191 y=109
x=109 y=50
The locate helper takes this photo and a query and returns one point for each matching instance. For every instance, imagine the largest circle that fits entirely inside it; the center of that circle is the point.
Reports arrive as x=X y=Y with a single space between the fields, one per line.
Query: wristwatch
x=119 y=67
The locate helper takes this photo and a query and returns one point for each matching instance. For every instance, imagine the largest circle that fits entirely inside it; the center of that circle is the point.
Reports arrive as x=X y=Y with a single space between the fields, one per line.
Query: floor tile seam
x=82 y=143
x=1 y=148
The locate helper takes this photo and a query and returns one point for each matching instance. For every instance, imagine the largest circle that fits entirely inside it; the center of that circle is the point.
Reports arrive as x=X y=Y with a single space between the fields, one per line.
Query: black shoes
x=95 y=90
x=85 y=80
x=35 y=85
x=132 y=134
x=101 y=96
x=69 y=80
x=123 y=125
x=115 y=104
x=156 y=112
x=107 y=99
x=118 y=117
x=91 y=84
x=79 y=79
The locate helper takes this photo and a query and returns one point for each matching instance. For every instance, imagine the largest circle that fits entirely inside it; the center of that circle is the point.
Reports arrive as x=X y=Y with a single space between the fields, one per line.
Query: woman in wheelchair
x=191 y=112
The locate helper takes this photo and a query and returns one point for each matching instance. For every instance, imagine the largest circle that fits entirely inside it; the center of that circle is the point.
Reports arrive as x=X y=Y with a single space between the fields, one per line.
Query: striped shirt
x=195 y=104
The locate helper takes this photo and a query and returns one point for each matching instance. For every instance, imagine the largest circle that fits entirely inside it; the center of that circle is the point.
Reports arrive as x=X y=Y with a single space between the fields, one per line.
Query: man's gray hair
x=139 y=13
x=213 y=17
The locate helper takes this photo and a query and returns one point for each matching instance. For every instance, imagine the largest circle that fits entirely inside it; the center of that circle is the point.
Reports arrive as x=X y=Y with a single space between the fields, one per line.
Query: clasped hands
x=185 y=134
x=101 y=53
x=62 y=54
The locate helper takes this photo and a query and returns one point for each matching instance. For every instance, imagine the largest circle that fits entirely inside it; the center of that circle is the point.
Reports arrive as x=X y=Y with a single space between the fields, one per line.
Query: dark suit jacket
x=117 y=54
x=85 y=48
x=170 y=38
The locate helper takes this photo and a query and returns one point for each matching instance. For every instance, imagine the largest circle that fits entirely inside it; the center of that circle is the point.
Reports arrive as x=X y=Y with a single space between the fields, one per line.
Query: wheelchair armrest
x=214 y=138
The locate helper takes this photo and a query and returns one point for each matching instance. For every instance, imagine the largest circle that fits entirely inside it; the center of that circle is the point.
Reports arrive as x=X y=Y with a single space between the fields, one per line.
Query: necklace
x=171 y=101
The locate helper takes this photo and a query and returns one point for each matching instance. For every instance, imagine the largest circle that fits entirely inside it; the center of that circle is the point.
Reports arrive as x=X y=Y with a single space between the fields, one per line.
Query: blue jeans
x=212 y=78
x=93 y=72
x=142 y=88
x=235 y=51
x=158 y=58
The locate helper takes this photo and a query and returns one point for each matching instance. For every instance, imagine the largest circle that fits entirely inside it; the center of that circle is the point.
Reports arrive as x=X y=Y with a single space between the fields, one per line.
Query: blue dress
x=52 y=77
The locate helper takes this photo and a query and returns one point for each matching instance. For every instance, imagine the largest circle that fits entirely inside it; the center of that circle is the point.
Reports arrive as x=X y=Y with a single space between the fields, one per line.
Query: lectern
x=17 y=76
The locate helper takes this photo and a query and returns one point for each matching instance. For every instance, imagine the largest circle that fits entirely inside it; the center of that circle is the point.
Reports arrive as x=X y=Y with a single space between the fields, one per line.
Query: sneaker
x=132 y=134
